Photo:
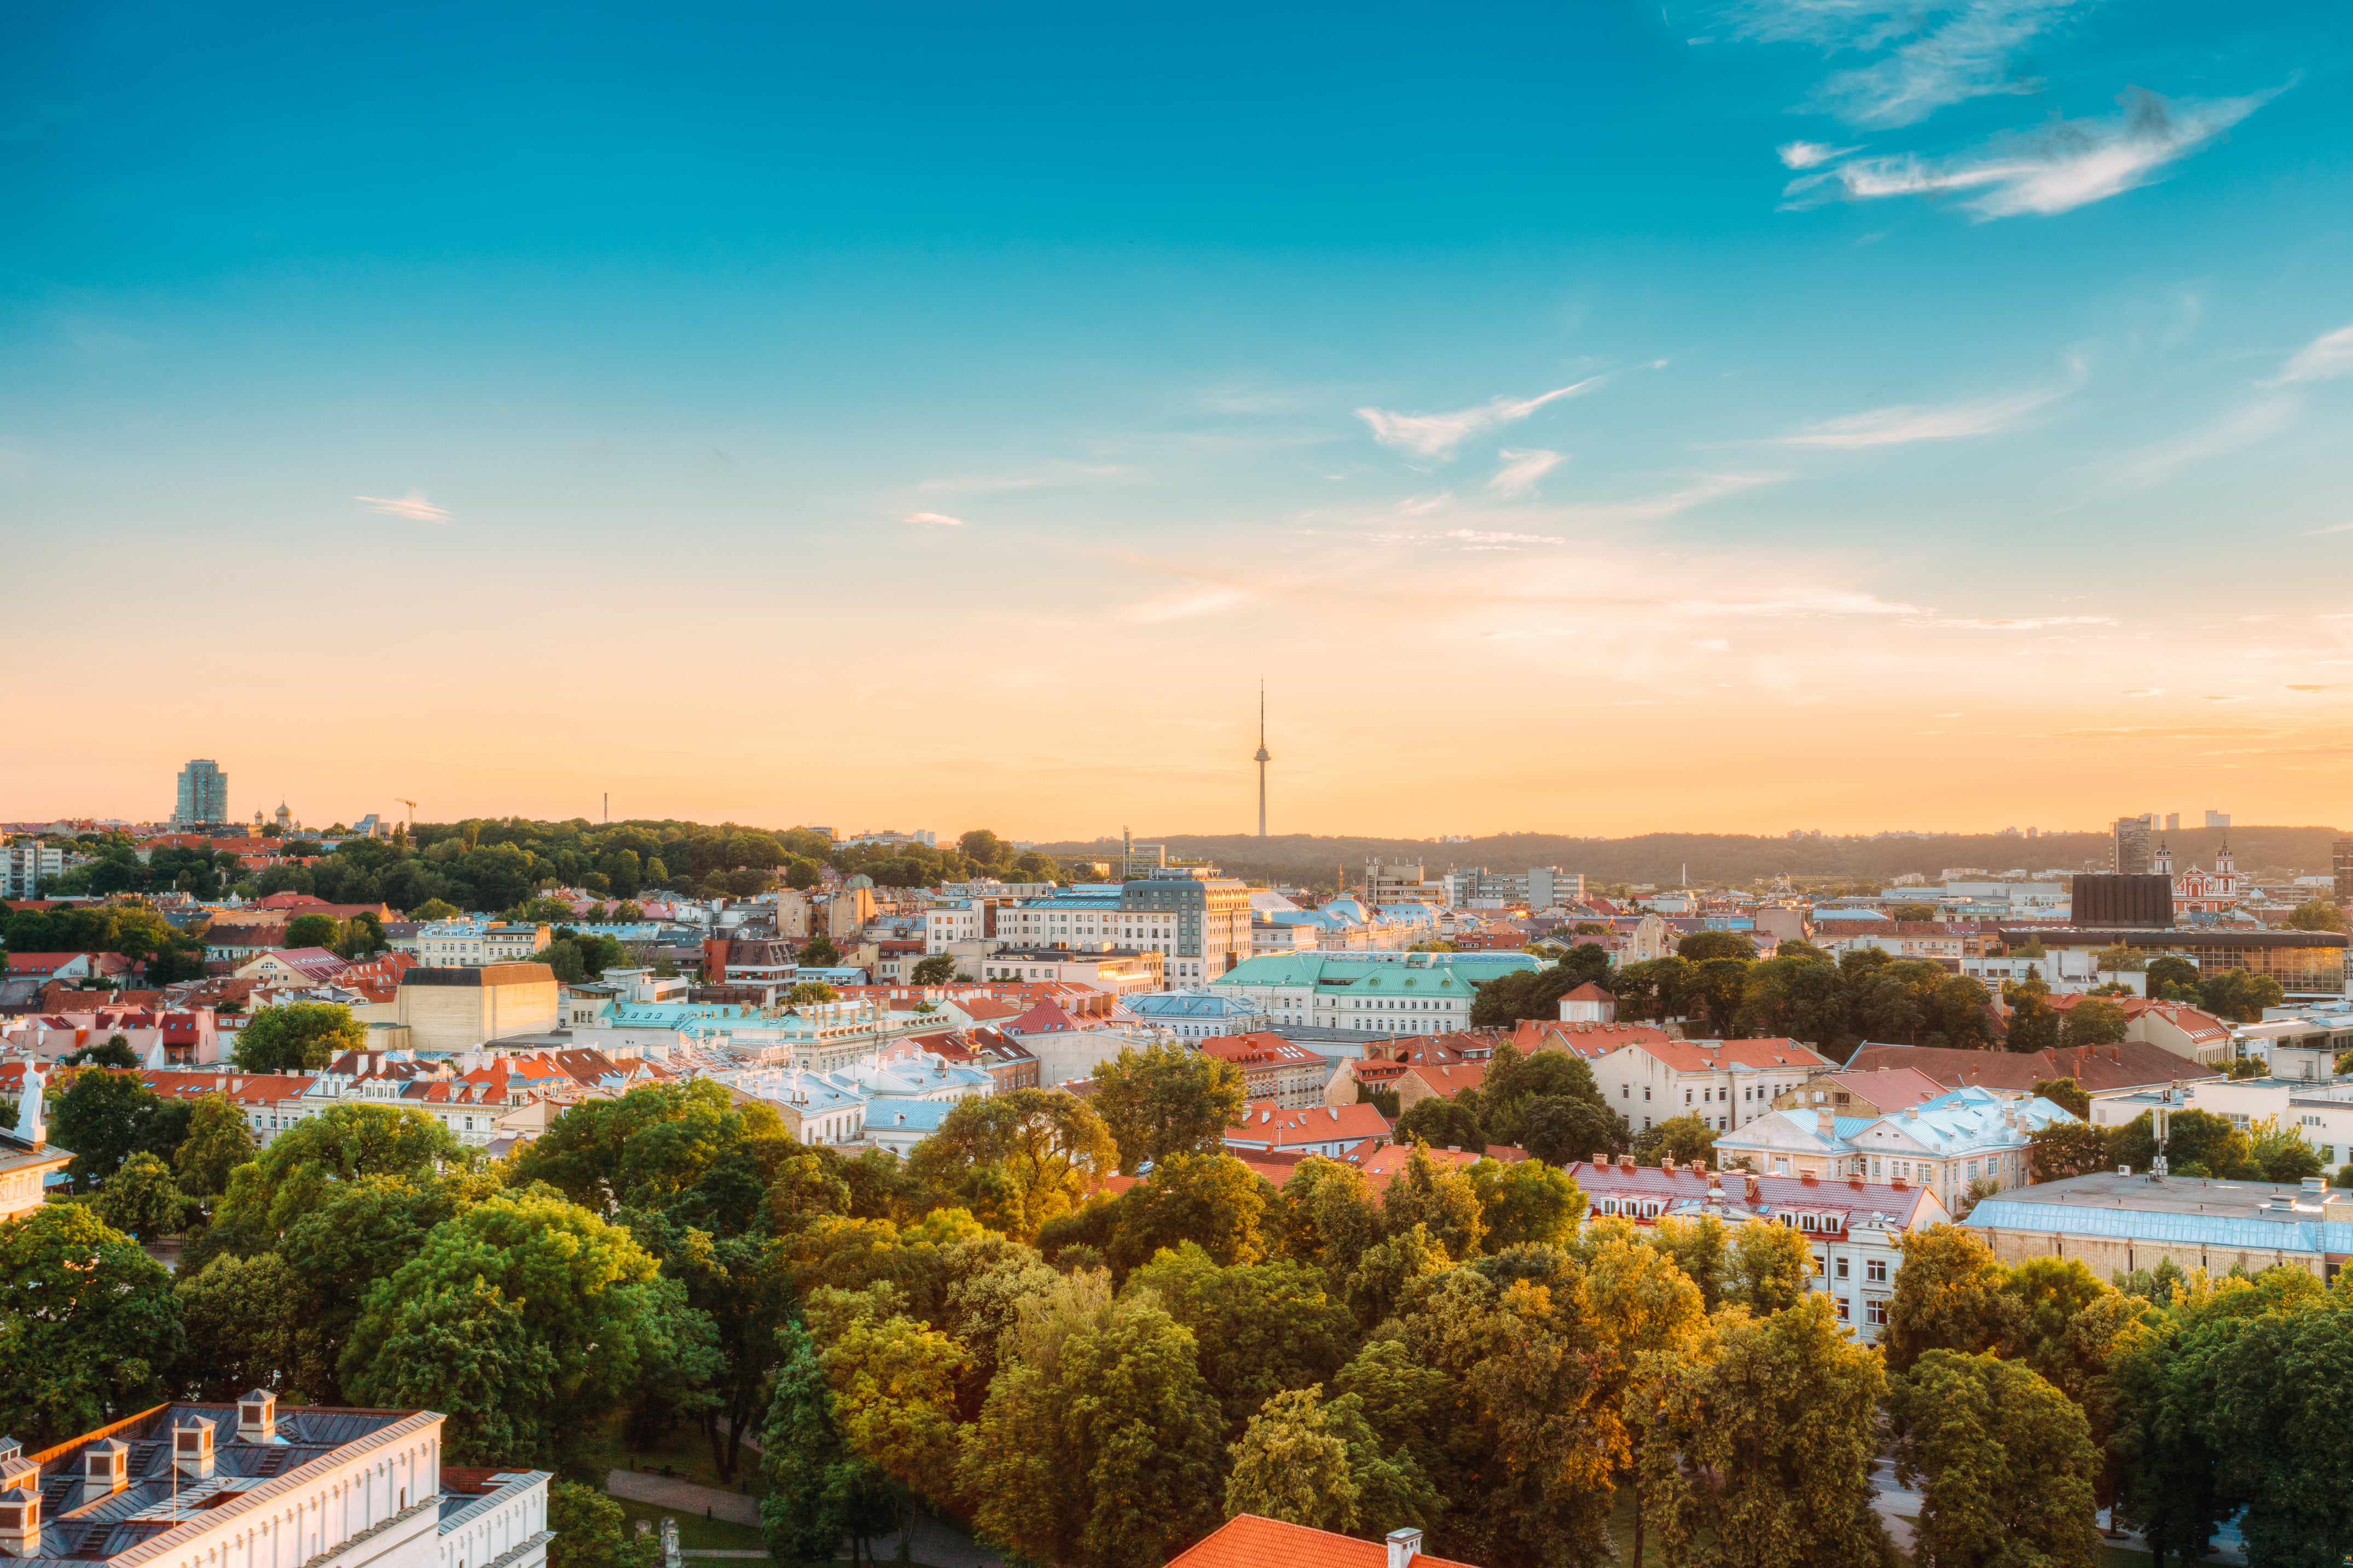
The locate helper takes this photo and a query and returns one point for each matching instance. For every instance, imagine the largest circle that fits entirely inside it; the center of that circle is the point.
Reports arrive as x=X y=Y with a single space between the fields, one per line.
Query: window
x=1625 y=1091
x=1845 y=1310
x=1841 y=1269
x=1687 y=1098
x=1646 y=1094
x=1875 y=1313
x=1874 y=1271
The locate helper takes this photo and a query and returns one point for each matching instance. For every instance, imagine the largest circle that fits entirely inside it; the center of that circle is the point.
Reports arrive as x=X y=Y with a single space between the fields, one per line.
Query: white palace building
x=251 y=1486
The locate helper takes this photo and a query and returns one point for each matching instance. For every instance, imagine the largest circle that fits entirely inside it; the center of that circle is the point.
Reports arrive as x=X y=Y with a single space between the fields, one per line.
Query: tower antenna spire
x=1262 y=758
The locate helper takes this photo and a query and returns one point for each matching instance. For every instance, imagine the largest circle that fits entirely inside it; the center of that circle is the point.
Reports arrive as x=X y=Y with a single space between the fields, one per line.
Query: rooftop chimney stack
x=1404 y=1546
x=192 y=1450
x=105 y=1469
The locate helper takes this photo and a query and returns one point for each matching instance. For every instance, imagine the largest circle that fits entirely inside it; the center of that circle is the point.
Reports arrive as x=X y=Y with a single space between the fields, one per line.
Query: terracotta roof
x=2127 y=1063
x=1588 y=991
x=1279 y=1128
x=1707 y=1056
x=1450 y=1078
x=1591 y=1041
x=1247 y=1540
x=1257 y=1050
x=1889 y=1086
x=1829 y=1194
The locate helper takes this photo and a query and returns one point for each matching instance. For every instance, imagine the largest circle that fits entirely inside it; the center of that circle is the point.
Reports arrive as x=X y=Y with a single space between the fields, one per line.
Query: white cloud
x=1437 y=435
x=2256 y=422
x=1974 y=53
x=2332 y=528
x=2323 y=359
x=1913 y=422
x=2066 y=164
x=1184 y=604
x=1829 y=604
x=413 y=506
x=938 y=519
x=1521 y=471
x=2022 y=623
x=1810 y=154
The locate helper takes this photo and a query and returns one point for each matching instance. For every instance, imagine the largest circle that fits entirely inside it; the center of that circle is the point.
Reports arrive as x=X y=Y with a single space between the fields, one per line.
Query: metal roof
x=2148 y=1225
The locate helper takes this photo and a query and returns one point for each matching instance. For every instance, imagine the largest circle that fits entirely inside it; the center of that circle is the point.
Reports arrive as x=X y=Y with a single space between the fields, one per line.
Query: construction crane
x=412 y=815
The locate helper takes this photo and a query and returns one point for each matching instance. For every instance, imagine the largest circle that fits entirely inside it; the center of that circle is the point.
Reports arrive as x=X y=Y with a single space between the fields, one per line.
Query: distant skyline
x=1594 y=419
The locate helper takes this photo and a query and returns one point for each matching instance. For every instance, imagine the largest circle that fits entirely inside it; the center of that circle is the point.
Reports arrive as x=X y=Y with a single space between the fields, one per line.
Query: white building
x=27 y=864
x=251 y=1486
x=467 y=943
x=1942 y=1144
x=1199 y=1015
x=1725 y=1083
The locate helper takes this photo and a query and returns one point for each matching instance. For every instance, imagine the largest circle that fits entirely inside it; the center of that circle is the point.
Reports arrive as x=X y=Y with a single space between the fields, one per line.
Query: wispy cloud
x=938 y=519
x=2066 y=164
x=413 y=506
x=2323 y=359
x=1830 y=604
x=2020 y=624
x=2332 y=528
x=1974 y=52
x=2144 y=691
x=2244 y=428
x=1521 y=471
x=1810 y=154
x=1910 y=422
x=1053 y=474
x=1184 y=604
x=1438 y=435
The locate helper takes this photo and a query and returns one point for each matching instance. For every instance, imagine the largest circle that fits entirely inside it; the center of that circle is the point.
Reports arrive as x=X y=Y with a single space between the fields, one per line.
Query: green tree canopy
x=87 y=1333
x=2003 y=1462
x=298 y=1036
x=1018 y=1159
x=1164 y=1098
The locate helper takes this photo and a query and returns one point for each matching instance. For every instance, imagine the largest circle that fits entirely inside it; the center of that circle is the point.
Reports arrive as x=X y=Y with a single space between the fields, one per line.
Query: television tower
x=1262 y=759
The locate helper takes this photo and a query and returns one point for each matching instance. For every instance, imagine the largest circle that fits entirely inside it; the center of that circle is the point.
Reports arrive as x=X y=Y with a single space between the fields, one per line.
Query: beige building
x=456 y=1009
x=2119 y=1224
x=459 y=942
x=1123 y=972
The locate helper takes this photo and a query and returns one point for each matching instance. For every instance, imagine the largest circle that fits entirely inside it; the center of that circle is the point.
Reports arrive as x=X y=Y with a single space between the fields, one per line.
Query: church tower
x=2164 y=866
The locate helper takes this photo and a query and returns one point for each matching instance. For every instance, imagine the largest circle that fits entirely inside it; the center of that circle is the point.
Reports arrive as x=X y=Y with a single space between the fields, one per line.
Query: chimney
x=1626 y=1161
x=105 y=1469
x=1756 y=1193
x=192 y=1450
x=1826 y=1122
x=257 y=1417
x=1404 y=1546
x=1666 y=1163
x=1600 y=1161
x=20 y=1518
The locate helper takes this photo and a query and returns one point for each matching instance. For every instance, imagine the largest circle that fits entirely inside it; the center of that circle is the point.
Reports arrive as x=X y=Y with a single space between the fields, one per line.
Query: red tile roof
x=1257 y=1050
x=1278 y=1128
x=2127 y=1063
x=1450 y=1078
x=1707 y=1056
x=1591 y=1041
x=1247 y=1540
x=1588 y=991
x=1889 y=1086
x=1830 y=1194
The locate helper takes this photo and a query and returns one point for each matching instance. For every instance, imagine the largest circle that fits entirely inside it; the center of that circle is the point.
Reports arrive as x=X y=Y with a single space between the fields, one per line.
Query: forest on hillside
x=1718 y=859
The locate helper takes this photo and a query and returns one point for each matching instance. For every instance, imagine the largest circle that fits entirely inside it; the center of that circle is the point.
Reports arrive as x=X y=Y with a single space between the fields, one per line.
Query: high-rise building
x=2340 y=856
x=204 y=795
x=2173 y=822
x=2218 y=819
x=2131 y=856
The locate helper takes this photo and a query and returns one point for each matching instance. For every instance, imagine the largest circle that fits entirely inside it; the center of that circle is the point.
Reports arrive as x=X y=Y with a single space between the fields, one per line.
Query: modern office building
x=2340 y=861
x=204 y=795
x=2141 y=899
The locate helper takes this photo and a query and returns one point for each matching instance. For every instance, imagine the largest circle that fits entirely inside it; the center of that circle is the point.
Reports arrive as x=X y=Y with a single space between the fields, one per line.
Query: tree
x=246 y=1313
x=1950 y=1294
x=87 y=1333
x=2003 y=1461
x=2273 y=1417
x=1099 y=1441
x=2066 y=1094
x=1912 y=912
x=140 y=1199
x=115 y=1052
x=1165 y=1098
x=1795 y=993
x=894 y=1384
x=1289 y=1465
x=1689 y=1139
x=813 y=1478
x=305 y=1166
x=2033 y=1021
x=1772 y=1266
x=1702 y=946
x=2171 y=971
x=818 y=953
x=2240 y=996
x=104 y=1116
x=1440 y=1199
x=298 y=1037
x=311 y=930
x=1211 y=1201
x=1658 y=990
x=524 y=1318
x=217 y=1141
x=1019 y=1158
x=1441 y=1123
x=2281 y=1153
x=1262 y=1328
x=937 y=970
x=1718 y=987
x=1527 y=1202
x=2316 y=914
x=1560 y=1130
x=590 y=1529
x=1328 y=1218
x=2200 y=1143
x=2093 y=1021
x=1761 y=1450
x=2064 y=1149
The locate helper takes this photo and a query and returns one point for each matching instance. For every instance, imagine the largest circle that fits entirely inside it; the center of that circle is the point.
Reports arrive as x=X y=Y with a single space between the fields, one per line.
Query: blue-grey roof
x=2147 y=1225
x=1188 y=1004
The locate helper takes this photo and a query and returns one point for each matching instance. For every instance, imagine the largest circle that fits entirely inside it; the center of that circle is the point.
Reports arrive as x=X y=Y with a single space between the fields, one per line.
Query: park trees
x=1163 y=1099
x=2003 y=1461
x=298 y=1037
x=87 y=1333
x=1019 y=1158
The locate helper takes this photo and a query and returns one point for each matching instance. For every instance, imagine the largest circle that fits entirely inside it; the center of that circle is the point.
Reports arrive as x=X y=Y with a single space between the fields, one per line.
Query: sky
x=1584 y=419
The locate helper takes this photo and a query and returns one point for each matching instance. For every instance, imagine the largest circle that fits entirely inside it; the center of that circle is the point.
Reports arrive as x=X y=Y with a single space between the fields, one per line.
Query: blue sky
x=1590 y=418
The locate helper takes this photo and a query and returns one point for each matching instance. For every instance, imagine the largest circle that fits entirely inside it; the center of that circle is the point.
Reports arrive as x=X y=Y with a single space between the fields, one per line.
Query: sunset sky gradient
x=1590 y=418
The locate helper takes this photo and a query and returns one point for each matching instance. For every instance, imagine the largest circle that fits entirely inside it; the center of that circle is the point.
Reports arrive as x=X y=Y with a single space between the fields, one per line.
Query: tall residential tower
x=203 y=793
